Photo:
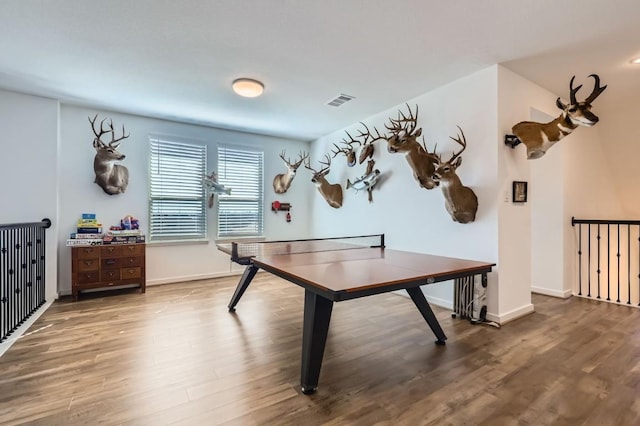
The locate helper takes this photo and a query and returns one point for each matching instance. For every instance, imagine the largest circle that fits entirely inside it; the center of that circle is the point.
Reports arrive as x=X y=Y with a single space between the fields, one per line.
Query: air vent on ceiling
x=336 y=102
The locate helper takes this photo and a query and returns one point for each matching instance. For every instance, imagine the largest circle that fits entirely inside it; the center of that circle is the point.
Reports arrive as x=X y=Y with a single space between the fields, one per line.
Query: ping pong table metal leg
x=317 y=315
x=247 y=276
x=423 y=306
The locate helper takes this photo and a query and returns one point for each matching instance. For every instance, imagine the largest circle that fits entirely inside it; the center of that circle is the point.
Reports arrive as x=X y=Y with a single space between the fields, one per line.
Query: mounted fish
x=210 y=182
x=367 y=181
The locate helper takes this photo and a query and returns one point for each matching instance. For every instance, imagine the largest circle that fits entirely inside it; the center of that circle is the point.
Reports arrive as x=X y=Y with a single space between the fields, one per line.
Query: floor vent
x=336 y=102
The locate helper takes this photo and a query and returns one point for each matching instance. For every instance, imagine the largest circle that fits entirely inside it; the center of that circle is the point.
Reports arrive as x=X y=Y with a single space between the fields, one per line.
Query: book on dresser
x=107 y=266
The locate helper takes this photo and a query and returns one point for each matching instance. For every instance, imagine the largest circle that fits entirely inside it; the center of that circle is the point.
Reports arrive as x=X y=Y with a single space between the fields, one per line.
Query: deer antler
x=113 y=134
x=596 y=89
x=302 y=156
x=404 y=123
x=462 y=142
x=102 y=130
x=366 y=135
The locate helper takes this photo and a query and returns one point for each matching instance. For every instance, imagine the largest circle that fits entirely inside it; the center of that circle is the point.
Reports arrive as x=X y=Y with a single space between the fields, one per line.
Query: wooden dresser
x=107 y=266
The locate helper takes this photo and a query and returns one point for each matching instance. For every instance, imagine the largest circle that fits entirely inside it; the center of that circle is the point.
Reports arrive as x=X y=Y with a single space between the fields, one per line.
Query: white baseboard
x=511 y=315
x=443 y=303
x=565 y=294
x=20 y=331
x=184 y=278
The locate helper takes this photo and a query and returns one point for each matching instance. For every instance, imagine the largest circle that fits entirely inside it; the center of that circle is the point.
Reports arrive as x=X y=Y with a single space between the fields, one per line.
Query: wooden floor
x=176 y=356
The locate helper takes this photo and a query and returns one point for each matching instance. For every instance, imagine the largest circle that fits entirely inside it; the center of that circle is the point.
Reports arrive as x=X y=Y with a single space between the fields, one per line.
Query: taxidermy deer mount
x=539 y=137
x=112 y=178
x=460 y=201
x=332 y=193
x=367 y=146
x=404 y=138
x=282 y=181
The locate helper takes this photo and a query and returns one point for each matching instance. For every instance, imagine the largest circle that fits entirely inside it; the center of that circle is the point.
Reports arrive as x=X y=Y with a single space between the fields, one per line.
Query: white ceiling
x=177 y=59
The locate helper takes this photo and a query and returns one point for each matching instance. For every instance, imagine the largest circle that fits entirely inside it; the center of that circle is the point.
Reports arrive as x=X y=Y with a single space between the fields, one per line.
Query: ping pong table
x=337 y=269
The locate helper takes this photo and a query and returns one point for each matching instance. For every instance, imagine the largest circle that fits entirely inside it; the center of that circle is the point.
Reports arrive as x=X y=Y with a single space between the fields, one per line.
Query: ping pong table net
x=246 y=250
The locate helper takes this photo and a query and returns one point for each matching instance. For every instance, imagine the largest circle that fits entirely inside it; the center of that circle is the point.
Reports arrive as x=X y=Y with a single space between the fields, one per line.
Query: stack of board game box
x=88 y=232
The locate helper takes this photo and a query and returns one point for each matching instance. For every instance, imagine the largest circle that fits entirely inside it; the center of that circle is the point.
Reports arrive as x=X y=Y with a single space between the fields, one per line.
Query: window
x=177 y=198
x=241 y=212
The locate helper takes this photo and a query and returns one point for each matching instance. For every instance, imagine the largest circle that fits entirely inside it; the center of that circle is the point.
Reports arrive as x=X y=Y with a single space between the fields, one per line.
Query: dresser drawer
x=130 y=273
x=88 y=277
x=89 y=252
x=128 y=262
x=111 y=263
x=110 y=274
x=132 y=250
x=110 y=251
x=85 y=265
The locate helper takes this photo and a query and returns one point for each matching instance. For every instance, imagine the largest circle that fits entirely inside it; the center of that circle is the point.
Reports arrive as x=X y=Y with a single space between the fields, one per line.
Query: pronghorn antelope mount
x=112 y=178
x=282 y=181
x=332 y=193
x=460 y=201
x=404 y=138
x=539 y=137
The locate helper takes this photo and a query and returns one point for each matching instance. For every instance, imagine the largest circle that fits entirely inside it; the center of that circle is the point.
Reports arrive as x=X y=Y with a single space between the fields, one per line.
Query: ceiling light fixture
x=247 y=87
x=636 y=61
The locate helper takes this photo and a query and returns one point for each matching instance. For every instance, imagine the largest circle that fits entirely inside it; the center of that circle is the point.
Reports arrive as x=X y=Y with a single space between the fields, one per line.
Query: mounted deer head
x=539 y=137
x=367 y=143
x=460 y=201
x=348 y=150
x=403 y=138
x=282 y=181
x=112 y=178
x=332 y=193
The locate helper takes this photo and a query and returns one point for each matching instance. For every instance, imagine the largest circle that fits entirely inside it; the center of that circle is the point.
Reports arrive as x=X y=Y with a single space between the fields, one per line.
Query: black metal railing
x=22 y=273
x=610 y=268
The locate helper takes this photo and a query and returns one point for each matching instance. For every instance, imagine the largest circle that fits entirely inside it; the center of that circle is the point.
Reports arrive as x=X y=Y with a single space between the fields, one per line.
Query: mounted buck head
x=460 y=201
x=282 y=181
x=403 y=139
x=332 y=193
x=539 y=137
x=112 y=178
x=348 y=150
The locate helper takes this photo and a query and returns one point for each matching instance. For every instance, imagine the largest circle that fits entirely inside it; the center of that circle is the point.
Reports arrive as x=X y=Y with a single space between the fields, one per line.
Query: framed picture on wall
x=519 y=192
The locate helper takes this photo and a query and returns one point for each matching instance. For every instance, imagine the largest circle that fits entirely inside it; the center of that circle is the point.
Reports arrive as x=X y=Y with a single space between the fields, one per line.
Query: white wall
x=165 y=263
x=572 y=179
x=29 y=168
x=546 y=198
x=413 y=218
x=620 y=151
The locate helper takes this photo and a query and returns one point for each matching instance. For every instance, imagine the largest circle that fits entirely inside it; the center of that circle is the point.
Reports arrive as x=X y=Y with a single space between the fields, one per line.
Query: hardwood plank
x=175 y=355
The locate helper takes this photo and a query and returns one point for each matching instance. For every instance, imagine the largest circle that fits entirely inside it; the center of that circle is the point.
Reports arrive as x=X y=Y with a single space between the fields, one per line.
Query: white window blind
x=176 y=195
x=241 y=212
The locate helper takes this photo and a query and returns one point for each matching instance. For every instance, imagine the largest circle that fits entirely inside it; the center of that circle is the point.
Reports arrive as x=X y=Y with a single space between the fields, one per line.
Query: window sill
x=177 y=242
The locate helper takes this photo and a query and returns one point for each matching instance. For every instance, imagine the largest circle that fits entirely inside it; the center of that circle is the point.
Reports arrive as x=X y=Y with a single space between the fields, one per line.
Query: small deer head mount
x=332 y=193
x=404 y=138
x=282 y=181
x=460 y=201
x=539 y=137
x=112 y=178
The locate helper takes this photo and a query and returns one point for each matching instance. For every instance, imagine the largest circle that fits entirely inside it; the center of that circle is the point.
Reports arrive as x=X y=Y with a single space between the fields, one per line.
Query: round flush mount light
x=636 y=61
x=247 y=87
